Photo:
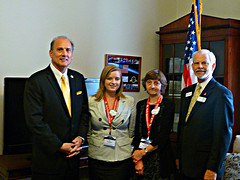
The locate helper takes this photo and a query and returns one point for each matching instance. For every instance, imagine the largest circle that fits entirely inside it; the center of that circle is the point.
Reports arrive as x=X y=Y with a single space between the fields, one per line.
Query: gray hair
x=65 y=37
x=209 y=54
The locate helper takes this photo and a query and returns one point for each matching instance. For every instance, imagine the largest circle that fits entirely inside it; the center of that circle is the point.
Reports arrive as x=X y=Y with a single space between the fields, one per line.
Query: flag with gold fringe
x=193 y=43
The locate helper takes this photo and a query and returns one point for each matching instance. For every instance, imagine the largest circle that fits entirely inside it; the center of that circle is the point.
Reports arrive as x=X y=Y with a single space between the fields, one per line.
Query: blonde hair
x=104 y=75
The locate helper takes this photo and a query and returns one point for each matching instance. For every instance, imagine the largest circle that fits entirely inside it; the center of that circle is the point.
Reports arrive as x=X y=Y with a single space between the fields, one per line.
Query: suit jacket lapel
x=208 y=89
x=102 y=111
x=121 y=106
x=54 y=83
x=205 y=94
x=188 y=99
x=57 y=89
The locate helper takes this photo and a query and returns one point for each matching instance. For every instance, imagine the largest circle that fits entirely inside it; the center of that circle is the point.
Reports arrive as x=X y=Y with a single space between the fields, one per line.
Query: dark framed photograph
x=131 y=70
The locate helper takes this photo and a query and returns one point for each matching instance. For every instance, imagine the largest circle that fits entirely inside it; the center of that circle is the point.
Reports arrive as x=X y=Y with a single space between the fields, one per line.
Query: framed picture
x=131 y=70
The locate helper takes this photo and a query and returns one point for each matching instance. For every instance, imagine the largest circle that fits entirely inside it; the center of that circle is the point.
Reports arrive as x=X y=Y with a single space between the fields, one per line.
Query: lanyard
x=149 y=123
x=110 y=118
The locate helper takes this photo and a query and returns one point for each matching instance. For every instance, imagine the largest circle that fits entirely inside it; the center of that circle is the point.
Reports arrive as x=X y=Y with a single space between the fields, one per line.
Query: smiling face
x=112 y=82
x=61 y=54
x=202 y=67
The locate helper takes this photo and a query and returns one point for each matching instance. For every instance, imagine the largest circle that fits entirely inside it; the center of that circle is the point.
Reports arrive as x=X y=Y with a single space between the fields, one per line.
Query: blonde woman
x=111 y=128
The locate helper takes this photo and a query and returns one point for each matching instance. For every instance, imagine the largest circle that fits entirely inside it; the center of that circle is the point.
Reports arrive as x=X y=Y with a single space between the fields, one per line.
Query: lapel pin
x=79 y=92
x=71 y=76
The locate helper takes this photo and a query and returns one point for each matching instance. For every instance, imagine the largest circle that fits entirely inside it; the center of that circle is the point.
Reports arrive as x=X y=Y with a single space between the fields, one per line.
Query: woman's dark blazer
x=160 y=132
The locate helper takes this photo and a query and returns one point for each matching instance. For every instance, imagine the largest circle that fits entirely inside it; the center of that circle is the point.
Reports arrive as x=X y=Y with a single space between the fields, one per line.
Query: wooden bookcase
x=222 y=37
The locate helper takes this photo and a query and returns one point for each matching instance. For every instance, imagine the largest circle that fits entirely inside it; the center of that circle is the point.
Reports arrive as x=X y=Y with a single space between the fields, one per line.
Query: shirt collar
x=57 y=73
x=204 y=84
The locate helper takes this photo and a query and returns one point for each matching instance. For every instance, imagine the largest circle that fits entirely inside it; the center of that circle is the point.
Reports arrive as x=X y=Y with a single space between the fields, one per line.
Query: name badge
x=155 y=111
x=188 y=94
x=144 y=143
x=109 y=141
x=201 y=99
x=113 y=113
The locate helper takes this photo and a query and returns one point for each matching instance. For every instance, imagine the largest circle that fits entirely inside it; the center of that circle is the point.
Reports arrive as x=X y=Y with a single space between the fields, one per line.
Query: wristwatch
x=145 y=150
x=83 y=140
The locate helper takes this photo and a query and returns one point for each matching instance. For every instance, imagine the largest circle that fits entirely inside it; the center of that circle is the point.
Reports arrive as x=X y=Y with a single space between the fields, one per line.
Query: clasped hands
x=137 y=159
x=73 y=148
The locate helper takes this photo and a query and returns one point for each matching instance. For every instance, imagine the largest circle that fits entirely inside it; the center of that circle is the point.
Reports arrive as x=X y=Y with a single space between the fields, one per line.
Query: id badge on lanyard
x=109 y=141
x=155 y=111
x=144 y=143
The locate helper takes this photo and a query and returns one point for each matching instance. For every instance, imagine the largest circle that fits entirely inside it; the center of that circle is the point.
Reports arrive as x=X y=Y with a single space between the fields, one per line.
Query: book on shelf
x=175 y=123
x=182 y=64
x=174 y=88
x=176 y=65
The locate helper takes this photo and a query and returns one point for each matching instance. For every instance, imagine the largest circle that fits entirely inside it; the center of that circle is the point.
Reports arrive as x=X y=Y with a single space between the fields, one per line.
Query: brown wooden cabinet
x=222 y=37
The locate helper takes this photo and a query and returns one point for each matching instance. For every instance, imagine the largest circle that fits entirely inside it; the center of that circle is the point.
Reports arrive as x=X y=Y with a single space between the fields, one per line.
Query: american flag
x=193 y=43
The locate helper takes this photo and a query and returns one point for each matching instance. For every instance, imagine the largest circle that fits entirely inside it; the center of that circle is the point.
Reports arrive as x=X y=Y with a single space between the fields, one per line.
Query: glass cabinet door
x=172 y=67
x=217 y=47
x=172 y=63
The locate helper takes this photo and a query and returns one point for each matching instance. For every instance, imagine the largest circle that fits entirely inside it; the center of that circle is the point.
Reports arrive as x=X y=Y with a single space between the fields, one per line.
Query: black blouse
x=162 y=123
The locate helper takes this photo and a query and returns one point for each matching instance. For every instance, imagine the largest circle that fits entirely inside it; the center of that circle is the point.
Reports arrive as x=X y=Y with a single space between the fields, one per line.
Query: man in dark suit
x=205 y=130
x=58 y=122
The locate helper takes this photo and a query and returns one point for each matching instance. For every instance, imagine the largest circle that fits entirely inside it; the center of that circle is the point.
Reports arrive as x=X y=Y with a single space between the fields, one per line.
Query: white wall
x=97 y=27
x=218 y=8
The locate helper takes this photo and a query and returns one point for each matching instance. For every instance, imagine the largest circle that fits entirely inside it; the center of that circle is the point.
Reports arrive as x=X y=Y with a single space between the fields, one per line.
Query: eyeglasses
x=155 y=82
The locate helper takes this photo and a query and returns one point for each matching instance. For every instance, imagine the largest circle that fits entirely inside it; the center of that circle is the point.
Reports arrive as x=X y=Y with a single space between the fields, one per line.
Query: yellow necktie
x=194 y=99
x=66 y=93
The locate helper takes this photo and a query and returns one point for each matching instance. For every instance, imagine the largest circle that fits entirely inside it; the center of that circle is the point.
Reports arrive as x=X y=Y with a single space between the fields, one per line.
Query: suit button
x=100 y=119
x=104 y=128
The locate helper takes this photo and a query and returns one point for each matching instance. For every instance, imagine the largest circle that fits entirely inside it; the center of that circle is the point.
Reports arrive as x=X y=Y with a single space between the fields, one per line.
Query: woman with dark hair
x=153 y=156
x=111 y=128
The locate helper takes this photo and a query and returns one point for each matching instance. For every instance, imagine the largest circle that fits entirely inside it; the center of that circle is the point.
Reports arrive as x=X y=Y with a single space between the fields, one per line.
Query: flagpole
x=197 y=14
x=193 y=43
